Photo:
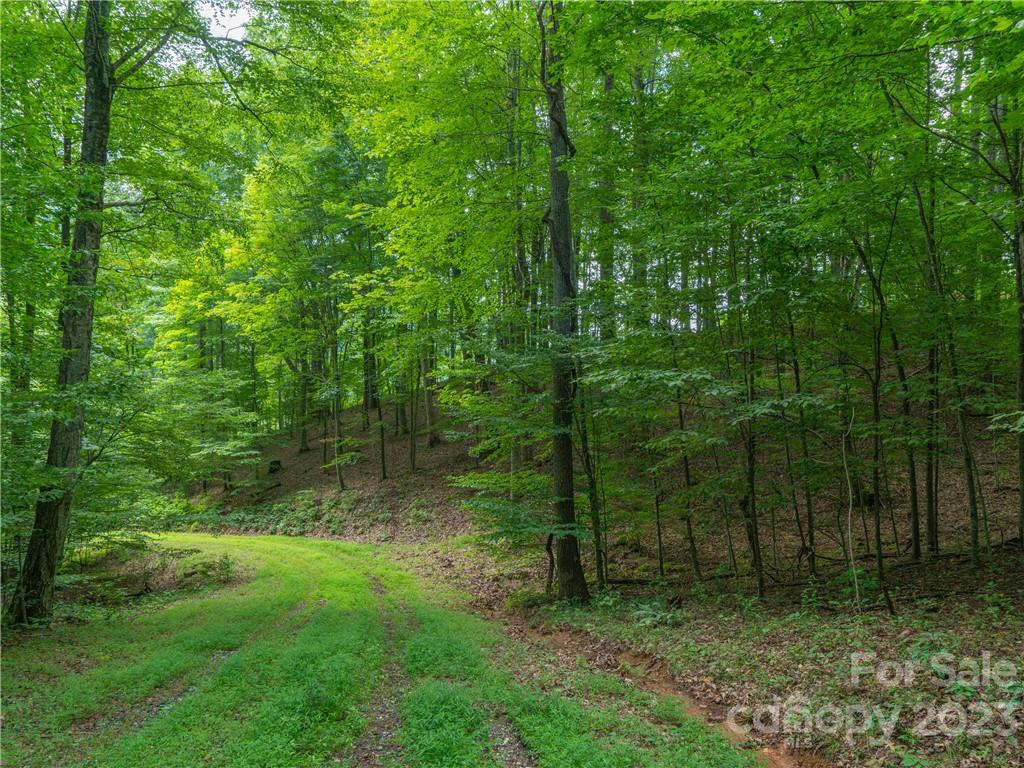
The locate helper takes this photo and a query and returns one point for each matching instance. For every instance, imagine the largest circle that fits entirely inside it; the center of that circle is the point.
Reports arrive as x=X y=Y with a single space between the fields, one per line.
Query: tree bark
x=1018 y=261
x=931 y=460
x=414 y=415
x=571 y=581
x=303 y=402
x=429 y=406
x=606 y=235
x=33 y=596
x=370 y=394
x=967 y=453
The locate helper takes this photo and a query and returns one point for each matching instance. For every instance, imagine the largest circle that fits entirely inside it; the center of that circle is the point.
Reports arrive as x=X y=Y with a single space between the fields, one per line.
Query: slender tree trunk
x=221 y=349
x=931 y=462
x=338 y=474
x=414 y=415
x=688 y=480
x=905 y=405
x=370 y=394
x=589 y=458
x=876 y=457
x=750 y=509
x=640 y=316
x=1018 y=263
x=967 y=453
x=688 y=517
x=303 y=402
x=657 y=527
x=790 y=474
x=383 y=447
x=429 y=407
x=885 y=320
x=400 y=416
x=747 y=360
x=571 y=581
x=606 y=235
x=33 y=597
x=201 y=344
x=726 y=518
x=255 y=403
x=280 y=398
x=323 y=438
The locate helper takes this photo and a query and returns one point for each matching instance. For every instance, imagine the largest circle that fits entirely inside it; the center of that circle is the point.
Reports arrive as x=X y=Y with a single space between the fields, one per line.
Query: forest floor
x=649 y=674
x=790 y=653
x=303 y=652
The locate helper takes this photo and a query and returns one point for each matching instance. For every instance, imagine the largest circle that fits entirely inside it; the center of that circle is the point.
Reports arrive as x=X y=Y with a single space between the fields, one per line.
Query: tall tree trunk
x=931 y=462
x=400 y=417
x=303 y=402
x=1018 y=263
x=222 y=352
x=747 y=362
x=885 y=320
x=589 y=458
x=571 y=581
x=606 y=234
x=323 y=438
x=255 y=404
x=690 y=538
x=749 y=504
x=279 y=379
x=725 y=517
x=33 y=595
x=414 y=415
x=876 y=457
x=338 y=474
x=370 y=394
x=657 y=526
x=640 y=316
x=967 y=454
x=383 y=451
x=429 y=406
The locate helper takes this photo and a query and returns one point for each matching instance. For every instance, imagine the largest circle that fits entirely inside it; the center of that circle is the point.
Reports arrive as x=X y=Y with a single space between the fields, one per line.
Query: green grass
x=281 y=670
x=760 y=653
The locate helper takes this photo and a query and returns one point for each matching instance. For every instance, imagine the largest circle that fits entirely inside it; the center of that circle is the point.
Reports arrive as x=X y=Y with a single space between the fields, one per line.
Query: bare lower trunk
x=370 y=394
x=691 y=540
x=932 y=463
x=726 y=518
x=429 y=408
x=657 y=529
x=413 y=418
x=336 y=401
x=750 y=510
x=303 y=404
x=967 y=453
x=1018 y=261
x=606 y=237
x=589 y=458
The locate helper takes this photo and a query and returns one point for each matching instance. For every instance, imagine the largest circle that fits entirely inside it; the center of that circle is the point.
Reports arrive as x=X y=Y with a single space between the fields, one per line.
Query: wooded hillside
x=752 y=272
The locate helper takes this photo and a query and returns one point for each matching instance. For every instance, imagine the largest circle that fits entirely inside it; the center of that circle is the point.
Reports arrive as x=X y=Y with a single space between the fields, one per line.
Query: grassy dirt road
x=326 y=654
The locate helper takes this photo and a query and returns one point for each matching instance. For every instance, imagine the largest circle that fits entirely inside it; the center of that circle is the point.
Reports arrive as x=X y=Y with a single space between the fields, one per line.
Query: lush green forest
x=660 y=300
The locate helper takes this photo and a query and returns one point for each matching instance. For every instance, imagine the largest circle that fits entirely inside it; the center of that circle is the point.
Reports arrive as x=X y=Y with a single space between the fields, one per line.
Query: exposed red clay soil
x=654 y=675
